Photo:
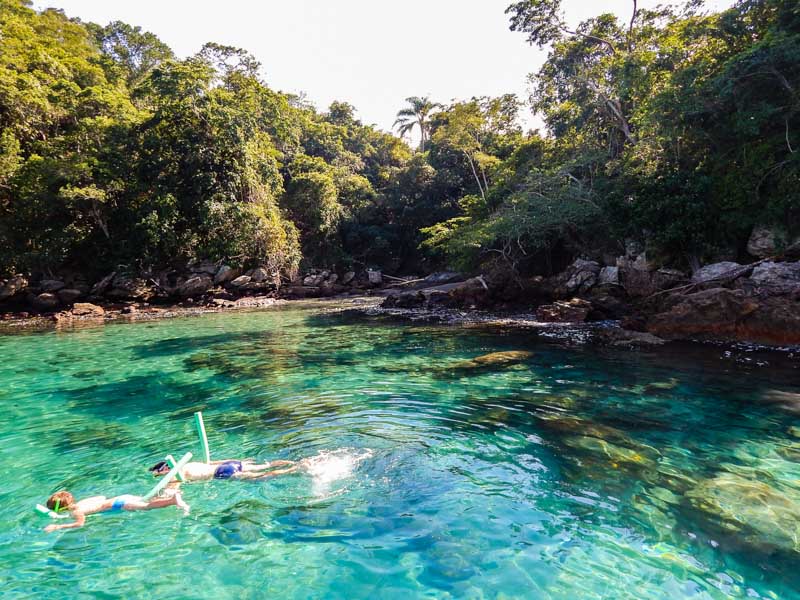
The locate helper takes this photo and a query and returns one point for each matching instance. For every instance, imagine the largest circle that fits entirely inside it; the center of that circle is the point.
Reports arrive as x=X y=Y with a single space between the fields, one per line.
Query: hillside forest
x=676 y=128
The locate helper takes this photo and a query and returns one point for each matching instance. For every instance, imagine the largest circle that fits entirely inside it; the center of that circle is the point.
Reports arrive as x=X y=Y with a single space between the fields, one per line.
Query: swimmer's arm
x=80 y=519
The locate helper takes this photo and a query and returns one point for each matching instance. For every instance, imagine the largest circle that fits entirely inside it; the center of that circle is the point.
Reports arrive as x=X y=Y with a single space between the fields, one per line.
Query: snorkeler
x=63 y=501
x=227 y=469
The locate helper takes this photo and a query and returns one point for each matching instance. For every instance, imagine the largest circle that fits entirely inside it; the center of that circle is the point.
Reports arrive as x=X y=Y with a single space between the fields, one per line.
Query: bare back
x=195 y=471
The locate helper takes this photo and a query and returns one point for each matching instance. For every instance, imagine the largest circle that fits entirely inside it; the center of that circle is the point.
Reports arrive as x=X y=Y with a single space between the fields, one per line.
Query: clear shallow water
x=552 y=473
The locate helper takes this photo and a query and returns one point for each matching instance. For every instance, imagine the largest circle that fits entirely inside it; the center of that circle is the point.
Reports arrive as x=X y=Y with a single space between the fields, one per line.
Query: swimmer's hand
x=80 y=519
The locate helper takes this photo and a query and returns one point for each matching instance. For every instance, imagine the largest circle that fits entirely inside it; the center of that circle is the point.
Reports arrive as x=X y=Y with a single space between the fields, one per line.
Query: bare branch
x=630 y=27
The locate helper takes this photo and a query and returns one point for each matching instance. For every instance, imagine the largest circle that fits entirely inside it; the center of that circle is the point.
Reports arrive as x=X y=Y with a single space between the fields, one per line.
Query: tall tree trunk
x=475 y=173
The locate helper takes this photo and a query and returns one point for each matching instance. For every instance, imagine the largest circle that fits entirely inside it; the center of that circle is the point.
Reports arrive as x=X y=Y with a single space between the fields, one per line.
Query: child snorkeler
x=64 y=501
x=227 y=469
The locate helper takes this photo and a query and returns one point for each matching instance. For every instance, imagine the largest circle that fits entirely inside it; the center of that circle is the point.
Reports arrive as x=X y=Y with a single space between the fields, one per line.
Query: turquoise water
x=556 y=472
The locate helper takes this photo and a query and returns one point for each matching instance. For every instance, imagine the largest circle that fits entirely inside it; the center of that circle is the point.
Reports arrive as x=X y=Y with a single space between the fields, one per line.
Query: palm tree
x=416 y=115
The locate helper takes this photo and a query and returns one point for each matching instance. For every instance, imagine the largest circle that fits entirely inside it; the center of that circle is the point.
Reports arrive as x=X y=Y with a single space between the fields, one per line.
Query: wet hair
x=158 y=467
x=60 y=501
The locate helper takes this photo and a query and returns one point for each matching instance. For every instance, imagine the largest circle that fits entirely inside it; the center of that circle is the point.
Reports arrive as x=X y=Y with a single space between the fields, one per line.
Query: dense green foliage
x=676 y=128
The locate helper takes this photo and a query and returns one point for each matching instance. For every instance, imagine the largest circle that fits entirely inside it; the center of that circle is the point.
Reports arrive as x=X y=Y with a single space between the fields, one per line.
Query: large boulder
x=101 y=287
x=260 y=275
x=130 y=288
x=84 y=309
x=776 y=274
x=608 y=276
x=636 y=282
x=710 y=313
x=204 y=268
x=224 y=274
x=240 y=281
x=405 y=300
x=721 y=313
x=573 y=311
x=581 y=276
x=51 y=285
x=45 y=302
x=348 y=278
x=69 y=295
x=194 y=286
x=469 y=293
x=12 y=287
x=714 y=271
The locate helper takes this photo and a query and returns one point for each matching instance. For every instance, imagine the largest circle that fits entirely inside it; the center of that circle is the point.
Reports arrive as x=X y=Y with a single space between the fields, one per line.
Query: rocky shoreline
x=724 y=302
x=757 y=303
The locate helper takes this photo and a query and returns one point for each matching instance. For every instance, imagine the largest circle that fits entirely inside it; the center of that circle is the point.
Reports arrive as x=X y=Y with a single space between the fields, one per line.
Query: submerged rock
x=494 y=360
x=760 y=514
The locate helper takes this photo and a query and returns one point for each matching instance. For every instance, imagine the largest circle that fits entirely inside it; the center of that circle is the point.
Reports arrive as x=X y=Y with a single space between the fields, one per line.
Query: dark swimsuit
x=228 y=469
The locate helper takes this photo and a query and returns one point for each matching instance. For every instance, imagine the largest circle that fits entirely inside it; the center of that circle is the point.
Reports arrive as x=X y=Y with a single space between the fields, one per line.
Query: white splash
x=330 y=466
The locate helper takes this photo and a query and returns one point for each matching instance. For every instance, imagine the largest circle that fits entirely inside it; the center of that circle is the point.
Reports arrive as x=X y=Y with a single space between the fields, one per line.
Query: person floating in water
x=227 y=469
x=63 y=501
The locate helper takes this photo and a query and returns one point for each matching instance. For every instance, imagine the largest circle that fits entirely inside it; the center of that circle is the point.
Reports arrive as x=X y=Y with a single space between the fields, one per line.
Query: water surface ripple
x=540 y=471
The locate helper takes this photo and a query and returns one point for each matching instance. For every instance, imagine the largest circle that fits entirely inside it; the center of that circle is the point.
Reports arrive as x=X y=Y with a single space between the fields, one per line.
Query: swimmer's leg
x=263 y=474
x=253 y=468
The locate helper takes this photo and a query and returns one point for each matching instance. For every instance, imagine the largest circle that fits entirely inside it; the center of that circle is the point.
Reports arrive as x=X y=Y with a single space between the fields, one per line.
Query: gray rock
x=69 y=295
x=642 y=264
x=633 y=249
x=332 y=278
x=260 y=275
x=375 y=277
x=240 y=281
x=194 y=286
x=207 y=268
x=764 y=242
x=46 y=301
x=51 y=285
x=102 y=286
x=772 y=273
x=224 y=274
x=348 y=277
x=582 y=275
x=443 y=277
x=132 y=288
x=714 y=271
x=12 y=287
x=608 y=275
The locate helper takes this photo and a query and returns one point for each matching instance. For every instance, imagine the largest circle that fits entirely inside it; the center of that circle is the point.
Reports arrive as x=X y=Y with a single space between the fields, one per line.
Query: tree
x=416 y=115
x=133 y=51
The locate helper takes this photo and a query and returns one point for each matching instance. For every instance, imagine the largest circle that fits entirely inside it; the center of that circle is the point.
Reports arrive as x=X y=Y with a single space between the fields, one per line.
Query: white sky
x=370 y=53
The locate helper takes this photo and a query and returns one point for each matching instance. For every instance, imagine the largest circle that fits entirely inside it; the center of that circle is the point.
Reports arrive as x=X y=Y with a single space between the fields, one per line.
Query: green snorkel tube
x=201 y=431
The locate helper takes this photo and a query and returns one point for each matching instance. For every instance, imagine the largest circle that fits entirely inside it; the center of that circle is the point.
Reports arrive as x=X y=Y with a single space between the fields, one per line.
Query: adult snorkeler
x=227 y=469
